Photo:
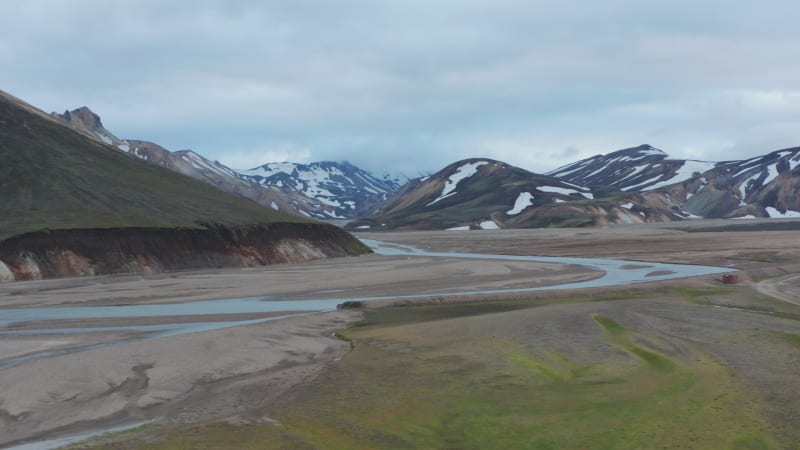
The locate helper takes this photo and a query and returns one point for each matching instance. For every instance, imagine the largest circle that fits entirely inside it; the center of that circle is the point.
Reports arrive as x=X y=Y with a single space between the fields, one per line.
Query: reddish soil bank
x=62 y=253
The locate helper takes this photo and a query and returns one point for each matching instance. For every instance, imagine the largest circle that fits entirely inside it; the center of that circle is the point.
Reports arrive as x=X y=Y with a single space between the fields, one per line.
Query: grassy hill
x=52 y=177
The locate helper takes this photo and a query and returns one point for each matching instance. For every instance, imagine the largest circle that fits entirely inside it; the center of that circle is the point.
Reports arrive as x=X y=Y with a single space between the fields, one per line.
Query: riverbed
x=100 y=343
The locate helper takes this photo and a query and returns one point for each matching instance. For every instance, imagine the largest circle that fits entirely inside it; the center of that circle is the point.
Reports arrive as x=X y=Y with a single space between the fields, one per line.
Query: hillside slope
x=54 y=178
x=191 y=164
x=489 y=194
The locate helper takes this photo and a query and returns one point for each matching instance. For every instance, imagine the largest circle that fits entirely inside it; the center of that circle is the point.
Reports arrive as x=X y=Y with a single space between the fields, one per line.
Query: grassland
x=638 y=371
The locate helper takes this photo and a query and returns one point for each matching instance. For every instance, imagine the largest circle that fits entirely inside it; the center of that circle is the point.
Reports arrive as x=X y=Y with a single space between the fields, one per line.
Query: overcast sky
x=410 y=86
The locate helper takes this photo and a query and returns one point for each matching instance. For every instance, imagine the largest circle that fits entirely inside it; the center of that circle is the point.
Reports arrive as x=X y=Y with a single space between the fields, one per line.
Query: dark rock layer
x=81 y=252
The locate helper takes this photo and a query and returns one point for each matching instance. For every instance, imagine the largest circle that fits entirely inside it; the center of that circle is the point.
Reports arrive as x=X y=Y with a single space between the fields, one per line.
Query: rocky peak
x=83 y=117
x=86 y=121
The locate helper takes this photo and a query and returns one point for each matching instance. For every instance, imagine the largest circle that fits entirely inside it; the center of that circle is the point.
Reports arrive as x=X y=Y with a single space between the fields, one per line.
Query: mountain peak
x=82 y=117
x=86 y=121
x=649 y=149
x=643 y=150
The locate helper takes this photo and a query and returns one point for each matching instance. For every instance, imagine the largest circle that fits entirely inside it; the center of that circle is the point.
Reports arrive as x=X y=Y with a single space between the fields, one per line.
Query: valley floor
x=682 y=364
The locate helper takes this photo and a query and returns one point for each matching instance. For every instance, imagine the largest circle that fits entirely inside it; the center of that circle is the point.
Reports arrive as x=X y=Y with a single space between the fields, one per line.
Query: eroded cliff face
x=65 y=253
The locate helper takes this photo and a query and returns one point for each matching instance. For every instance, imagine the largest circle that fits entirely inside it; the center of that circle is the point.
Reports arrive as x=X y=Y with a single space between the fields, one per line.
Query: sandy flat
x=185 y=378
x=336 y=278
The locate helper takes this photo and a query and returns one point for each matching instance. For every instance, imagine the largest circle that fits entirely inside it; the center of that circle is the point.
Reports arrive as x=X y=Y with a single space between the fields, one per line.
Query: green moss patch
x=410 y=385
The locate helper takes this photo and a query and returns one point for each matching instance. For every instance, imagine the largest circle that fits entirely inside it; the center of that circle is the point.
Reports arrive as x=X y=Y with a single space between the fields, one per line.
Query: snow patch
x=524 y=199
x=628 y=205
x=749 y=216
x=775 y=214
x=685 y=172
x=463 y=172
x=564 y=191
x=105 y=138
x=274 y=206
x=772 y=173
x=489 y=225
x=200 y=163
x=652 y=151
x=141 y=155
x=794 y=163
x=464 y=228
x=363 y=227
x=635 y=172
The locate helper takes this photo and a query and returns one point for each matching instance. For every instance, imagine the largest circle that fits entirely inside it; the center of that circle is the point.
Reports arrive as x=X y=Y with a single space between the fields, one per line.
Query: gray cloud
x=411 y=86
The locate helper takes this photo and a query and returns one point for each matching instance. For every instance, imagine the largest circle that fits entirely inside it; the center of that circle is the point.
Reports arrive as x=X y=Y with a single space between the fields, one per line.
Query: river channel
x=615 y=272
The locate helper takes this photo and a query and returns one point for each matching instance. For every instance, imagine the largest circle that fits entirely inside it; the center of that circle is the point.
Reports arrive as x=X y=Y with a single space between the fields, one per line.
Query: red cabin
x=730 y=278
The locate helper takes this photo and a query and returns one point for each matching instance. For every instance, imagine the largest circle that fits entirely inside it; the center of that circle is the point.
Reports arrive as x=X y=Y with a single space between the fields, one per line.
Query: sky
x=407 y=87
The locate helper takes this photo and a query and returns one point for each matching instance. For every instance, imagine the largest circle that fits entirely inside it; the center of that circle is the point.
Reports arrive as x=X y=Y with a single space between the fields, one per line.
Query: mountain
x=344 y=190
x=642 y=168
x=320 y=190
x=87 y=122
x=652 y=186
x=763 y=186
x=192 y=164
x=70 y=206
x=196 y=166
x=488 y=194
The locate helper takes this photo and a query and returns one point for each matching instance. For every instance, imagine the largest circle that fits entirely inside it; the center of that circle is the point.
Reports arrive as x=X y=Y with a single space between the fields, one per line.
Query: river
x=615 y=272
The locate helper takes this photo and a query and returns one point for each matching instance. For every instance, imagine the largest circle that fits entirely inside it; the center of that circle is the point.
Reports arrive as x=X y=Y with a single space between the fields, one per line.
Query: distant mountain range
x=763 y=186
x=633 y=185
x=489 y=194
x=639 y=184
x=343 y=190
x=321 y=190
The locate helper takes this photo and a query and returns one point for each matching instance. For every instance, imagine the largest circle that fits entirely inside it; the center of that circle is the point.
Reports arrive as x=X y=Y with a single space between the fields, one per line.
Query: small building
x=730 y=278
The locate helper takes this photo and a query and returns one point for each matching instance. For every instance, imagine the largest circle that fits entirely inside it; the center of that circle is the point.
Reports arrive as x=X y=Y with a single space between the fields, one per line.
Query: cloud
x=412 y=86
x=244 y=159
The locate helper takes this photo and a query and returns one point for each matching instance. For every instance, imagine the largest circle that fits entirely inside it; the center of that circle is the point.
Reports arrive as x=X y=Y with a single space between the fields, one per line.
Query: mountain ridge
x=633 y=185
x=669 y=188
x=345 y=190
x=57 y=182
x=320 y=190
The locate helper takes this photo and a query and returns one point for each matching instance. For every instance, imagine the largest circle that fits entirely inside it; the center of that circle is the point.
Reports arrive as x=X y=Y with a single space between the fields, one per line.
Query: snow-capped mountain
x=631 y=185
x=763 y=186
x=320 y=190
x=642 y=168
x=488 y=194
x=196 y=166
x=344 y=190
x=193 y=165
